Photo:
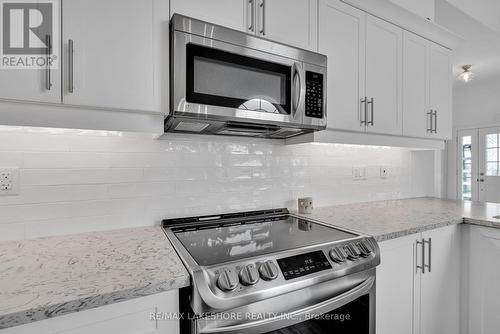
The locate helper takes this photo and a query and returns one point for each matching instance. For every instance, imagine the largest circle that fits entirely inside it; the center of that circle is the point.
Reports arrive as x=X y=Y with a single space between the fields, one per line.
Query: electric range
x=270 y=271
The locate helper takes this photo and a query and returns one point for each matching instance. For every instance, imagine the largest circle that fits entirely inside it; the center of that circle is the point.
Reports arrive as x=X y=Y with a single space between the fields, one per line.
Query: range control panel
x=303 y=264
x=259 y=274
x=314 y=94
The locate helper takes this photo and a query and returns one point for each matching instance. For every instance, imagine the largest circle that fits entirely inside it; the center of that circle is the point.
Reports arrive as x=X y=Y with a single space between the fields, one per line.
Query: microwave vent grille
x=286 y=133
x=191 y=126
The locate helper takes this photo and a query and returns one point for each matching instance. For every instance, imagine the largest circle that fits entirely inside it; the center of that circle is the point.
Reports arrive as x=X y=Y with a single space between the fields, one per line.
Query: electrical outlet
x=384 y=172
x=359 y=173
x=9 y=181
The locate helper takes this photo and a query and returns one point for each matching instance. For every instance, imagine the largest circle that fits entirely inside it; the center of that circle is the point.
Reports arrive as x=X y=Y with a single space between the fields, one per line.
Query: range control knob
x=268 y=270
x=352 y=251
x=338 y=255
x=364 y=248
x=228 y=280
x=249 y=275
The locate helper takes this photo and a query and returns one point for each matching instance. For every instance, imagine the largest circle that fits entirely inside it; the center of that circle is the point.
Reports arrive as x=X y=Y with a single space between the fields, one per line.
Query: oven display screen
x=303 y=264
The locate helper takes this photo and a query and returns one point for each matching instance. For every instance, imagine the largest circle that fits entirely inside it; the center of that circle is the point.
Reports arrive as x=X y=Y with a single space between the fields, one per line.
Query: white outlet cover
x=384 y=172
x=9 y=181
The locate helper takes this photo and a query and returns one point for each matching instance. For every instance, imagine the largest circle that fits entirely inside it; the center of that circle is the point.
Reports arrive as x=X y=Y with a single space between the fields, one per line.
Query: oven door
x=218 y=80
x=352 y=311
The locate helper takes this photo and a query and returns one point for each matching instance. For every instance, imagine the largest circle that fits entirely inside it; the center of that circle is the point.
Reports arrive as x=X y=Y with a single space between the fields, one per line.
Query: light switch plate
x=9 y=181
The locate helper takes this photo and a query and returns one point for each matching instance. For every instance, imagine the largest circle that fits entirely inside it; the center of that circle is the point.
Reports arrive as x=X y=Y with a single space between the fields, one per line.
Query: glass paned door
x=489 y=165
x=467 y=165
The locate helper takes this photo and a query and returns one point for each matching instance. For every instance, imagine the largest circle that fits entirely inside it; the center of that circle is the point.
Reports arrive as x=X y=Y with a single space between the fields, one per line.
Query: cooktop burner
x=214 y=244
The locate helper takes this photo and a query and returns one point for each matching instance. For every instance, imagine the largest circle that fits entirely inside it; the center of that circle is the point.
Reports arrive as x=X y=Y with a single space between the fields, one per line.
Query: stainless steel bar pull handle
x=429 y=256
x=71 y=50
x=263 y=17
x=422 y=266
x=48 y=81
x=435 y=121
x=252 y=15
x=430 y=128
x=363 y=111
x=372 y=103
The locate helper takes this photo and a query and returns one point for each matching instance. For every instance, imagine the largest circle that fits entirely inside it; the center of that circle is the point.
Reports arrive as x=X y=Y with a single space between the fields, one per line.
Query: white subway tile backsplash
x=76 y=181
x=65 y=160
x=44 y=177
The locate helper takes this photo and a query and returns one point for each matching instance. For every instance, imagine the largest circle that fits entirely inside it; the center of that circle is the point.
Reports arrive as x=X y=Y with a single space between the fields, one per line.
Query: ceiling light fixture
x=467 y=75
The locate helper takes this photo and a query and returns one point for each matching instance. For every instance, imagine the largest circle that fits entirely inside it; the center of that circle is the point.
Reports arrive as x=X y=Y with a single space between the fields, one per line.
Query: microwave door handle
x=277 y=321
x=297 y=81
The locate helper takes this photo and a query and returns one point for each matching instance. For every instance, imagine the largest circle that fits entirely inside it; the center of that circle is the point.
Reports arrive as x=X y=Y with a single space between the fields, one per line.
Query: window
x=467 y=168
x=492 y=154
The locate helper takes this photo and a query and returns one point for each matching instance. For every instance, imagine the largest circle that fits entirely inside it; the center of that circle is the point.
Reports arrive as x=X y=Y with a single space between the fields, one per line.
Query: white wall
x=74 y=181
x=476 y=104
x=485 y=11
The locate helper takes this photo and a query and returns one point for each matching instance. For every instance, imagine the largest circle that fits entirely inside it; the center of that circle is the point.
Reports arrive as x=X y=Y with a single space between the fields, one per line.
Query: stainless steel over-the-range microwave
x=227 y=82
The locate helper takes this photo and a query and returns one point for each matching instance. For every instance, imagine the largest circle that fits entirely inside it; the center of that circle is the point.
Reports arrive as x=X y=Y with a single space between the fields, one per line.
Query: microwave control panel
x=314 y=94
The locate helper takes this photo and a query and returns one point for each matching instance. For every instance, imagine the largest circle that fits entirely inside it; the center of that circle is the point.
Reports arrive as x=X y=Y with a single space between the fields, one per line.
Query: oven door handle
x=297 y=86
x=295 y=316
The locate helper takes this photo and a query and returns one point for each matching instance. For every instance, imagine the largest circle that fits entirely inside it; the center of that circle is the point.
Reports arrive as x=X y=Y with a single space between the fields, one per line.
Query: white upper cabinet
x=422 y=8
x=113 y=60
x=383 y=76
x=440 y=86
x=33 y=85
x=341 y=31
x=426 y=89
x=291 y=22
x=416 y=111
x=235 y=14
x=364 y=69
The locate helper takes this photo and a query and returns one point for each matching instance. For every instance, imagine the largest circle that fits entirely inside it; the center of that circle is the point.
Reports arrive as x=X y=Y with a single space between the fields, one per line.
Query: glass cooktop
x=219 y=244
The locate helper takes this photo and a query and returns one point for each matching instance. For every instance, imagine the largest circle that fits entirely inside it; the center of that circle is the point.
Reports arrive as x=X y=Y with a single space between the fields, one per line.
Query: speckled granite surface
x=392 y=219
x=46 y=277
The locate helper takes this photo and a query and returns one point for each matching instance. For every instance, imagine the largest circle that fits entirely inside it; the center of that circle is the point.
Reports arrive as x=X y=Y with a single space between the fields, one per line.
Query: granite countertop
x=392 y=219
x=46 y=277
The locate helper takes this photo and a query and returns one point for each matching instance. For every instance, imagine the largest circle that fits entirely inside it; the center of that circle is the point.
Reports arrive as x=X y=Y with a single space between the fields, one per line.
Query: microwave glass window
x=224 y=79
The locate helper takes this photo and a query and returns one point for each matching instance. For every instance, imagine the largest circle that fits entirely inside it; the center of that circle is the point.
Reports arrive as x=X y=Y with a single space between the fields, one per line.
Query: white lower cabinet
x=394 y=292
x=135 y=316
x=418 y=288
x=483 y=283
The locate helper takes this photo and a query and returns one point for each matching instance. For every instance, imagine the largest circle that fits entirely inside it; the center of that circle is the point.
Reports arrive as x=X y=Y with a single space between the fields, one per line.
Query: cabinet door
x=32 y=85
x=396 y=278
x=128 y=317
x=235 y=14
x=440 y=284
x=416 y=117
x=341 y=39
x=384 y=53
x=292 y=22
x=440 y=73
x=484 y=275
x=116 y=46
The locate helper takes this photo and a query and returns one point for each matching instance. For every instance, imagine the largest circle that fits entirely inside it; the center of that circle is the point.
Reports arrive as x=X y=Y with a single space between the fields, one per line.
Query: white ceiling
x=481 y=45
